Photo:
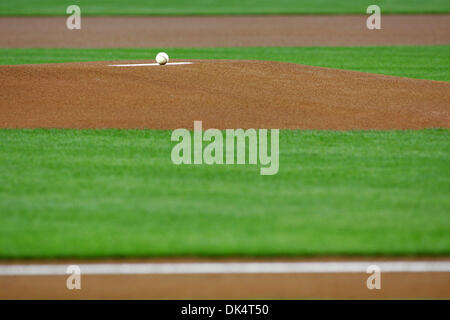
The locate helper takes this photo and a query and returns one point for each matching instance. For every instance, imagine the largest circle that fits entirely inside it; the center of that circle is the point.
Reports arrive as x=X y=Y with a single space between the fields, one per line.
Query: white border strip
x=228 y=268
x=148 y=64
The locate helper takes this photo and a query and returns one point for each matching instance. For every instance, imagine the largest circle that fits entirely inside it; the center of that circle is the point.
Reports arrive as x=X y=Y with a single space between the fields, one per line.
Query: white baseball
x=162 y=58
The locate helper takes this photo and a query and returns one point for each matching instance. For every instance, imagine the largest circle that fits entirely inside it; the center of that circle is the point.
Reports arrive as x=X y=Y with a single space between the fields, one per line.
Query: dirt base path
x=327 y=30
x=235 y=286
x=223 y=94
x=313 y=285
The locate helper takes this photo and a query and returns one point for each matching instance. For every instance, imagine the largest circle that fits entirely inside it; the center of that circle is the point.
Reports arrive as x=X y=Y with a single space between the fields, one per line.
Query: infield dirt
x=395 y=285
x=223 y=31
x=221 y=93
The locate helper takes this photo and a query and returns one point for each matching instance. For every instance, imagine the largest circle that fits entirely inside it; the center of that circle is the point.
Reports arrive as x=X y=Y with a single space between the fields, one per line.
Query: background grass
x=218 y=7
x=115 y=193
x=424 y=62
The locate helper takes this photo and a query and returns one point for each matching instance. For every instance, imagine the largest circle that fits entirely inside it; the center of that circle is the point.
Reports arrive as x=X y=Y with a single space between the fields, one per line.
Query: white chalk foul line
x=148 y=64
x=228 y=268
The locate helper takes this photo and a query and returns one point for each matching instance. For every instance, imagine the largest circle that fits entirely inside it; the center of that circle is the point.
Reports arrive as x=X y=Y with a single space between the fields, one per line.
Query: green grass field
x=423 y=62
x=116 y=193
x=218 y=7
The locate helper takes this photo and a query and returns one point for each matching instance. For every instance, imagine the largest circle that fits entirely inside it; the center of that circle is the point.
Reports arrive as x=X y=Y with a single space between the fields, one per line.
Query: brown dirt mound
x=223 y=94
x=224 y=31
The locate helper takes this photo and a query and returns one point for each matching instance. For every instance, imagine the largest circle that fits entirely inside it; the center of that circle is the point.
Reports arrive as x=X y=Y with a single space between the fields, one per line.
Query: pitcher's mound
x=223 y=94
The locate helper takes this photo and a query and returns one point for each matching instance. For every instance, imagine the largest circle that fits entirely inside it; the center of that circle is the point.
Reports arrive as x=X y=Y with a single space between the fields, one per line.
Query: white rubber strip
x=228 y=268
x=148 y=64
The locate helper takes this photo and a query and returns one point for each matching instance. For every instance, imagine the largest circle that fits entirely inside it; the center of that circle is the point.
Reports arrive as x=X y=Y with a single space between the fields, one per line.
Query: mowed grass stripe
x=217 y=7
x=116 y=193
x=422 y=62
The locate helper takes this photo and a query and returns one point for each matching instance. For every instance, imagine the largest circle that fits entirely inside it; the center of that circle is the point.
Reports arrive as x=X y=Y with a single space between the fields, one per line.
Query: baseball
x=162 y=58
